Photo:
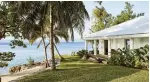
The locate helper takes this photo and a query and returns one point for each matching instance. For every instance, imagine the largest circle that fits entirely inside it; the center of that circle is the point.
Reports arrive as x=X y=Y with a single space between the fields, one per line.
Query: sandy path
x=11 y=77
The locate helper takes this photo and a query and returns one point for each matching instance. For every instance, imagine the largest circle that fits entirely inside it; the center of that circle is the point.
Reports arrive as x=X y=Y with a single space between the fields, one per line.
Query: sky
x=113 y=7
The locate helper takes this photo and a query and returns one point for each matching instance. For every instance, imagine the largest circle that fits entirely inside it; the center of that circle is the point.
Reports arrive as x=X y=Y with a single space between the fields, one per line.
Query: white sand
x=11 y=77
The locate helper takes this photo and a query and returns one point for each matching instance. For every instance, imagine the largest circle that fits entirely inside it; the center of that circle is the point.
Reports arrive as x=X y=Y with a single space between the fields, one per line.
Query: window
x=127 y=43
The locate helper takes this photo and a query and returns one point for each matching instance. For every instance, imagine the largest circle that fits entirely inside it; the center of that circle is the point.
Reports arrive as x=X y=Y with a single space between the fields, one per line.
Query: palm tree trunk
x=53 y=67
x=45 y=52
x=62 y=58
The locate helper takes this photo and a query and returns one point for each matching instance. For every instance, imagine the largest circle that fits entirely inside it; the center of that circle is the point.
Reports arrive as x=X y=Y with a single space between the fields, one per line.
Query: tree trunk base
x=62 y=59
x=47 y=65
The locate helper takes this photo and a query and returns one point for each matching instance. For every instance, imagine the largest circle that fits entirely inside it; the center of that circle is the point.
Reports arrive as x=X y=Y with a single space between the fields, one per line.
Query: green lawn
x=75 y=70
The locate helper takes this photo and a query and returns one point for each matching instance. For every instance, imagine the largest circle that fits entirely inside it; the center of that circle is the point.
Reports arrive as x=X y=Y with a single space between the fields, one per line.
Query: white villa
x=131 y=34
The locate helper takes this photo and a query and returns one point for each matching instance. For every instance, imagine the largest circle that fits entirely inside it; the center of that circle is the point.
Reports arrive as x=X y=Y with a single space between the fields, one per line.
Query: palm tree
x=65 y=15
x=42 y=35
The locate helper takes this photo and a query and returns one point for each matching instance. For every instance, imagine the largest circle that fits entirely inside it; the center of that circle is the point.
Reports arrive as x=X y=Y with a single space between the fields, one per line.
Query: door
x=127 y=43
x=106 y=47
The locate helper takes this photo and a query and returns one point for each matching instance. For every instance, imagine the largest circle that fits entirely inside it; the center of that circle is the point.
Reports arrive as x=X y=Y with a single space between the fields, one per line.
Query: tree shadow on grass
x=82 y=73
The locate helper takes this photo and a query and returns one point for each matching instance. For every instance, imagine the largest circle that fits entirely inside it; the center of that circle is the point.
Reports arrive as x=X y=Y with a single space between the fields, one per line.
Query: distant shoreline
x=38 y=54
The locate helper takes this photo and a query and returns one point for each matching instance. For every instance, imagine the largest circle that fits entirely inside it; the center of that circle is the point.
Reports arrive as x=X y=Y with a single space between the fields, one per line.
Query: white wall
x=120 y=43
x=117 y=43
x=137 y=42
x=140 y=42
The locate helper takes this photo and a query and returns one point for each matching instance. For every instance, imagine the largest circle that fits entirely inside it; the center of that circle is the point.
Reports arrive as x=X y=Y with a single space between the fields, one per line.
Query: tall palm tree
x=65 y=15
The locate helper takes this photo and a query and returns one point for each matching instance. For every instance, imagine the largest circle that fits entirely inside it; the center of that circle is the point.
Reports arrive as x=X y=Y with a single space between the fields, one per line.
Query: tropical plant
x=57 y=34
x=102 y=19
x=30 y=61
x=141 y=57
x=136 y=58
x=46 y=16
x=117 y=57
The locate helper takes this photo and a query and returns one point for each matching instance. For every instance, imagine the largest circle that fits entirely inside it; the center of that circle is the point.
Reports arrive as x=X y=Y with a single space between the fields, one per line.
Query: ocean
x=22 y=54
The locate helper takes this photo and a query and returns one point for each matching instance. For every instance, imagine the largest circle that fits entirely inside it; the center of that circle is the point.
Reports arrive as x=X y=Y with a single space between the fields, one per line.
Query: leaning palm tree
x=65 y=15
x=57 y=34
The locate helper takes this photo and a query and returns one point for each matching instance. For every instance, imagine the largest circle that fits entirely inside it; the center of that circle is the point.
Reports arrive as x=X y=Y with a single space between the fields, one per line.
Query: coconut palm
x=64 y=16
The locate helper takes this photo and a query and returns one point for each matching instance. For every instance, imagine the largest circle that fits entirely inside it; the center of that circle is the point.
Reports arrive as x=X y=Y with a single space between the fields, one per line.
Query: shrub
x=141 y=57
x=137 y=58
x=30 y=61
x=83 y=53
x=117 y=57
x=128 y=58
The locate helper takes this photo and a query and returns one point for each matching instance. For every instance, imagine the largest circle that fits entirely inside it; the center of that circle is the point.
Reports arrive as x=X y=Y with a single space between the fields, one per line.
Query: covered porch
x=100 y=46
x=103 y=45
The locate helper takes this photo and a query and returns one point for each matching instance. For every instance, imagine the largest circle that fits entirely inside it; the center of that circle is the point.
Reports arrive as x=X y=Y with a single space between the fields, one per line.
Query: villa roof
x=135 y=26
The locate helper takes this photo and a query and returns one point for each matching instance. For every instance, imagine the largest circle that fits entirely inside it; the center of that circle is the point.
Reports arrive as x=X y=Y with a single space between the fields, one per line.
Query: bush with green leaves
x=141 y=57
x=5 y=57
x=30 y=61
x=116 y=57
x=82 y=53
x=136 y=58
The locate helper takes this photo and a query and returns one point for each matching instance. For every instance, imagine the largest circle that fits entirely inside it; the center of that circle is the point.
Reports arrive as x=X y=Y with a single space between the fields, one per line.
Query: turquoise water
x=36 y=53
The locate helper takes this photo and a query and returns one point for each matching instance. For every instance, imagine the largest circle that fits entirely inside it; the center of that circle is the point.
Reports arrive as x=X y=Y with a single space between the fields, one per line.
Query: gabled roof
x=138 y=25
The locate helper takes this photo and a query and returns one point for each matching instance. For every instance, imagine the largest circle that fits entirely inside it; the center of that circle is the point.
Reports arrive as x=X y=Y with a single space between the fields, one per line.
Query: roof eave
x=118 y=36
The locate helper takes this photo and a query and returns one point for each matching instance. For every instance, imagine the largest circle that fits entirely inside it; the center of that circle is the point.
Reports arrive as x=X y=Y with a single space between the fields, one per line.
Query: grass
x=76 y=70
